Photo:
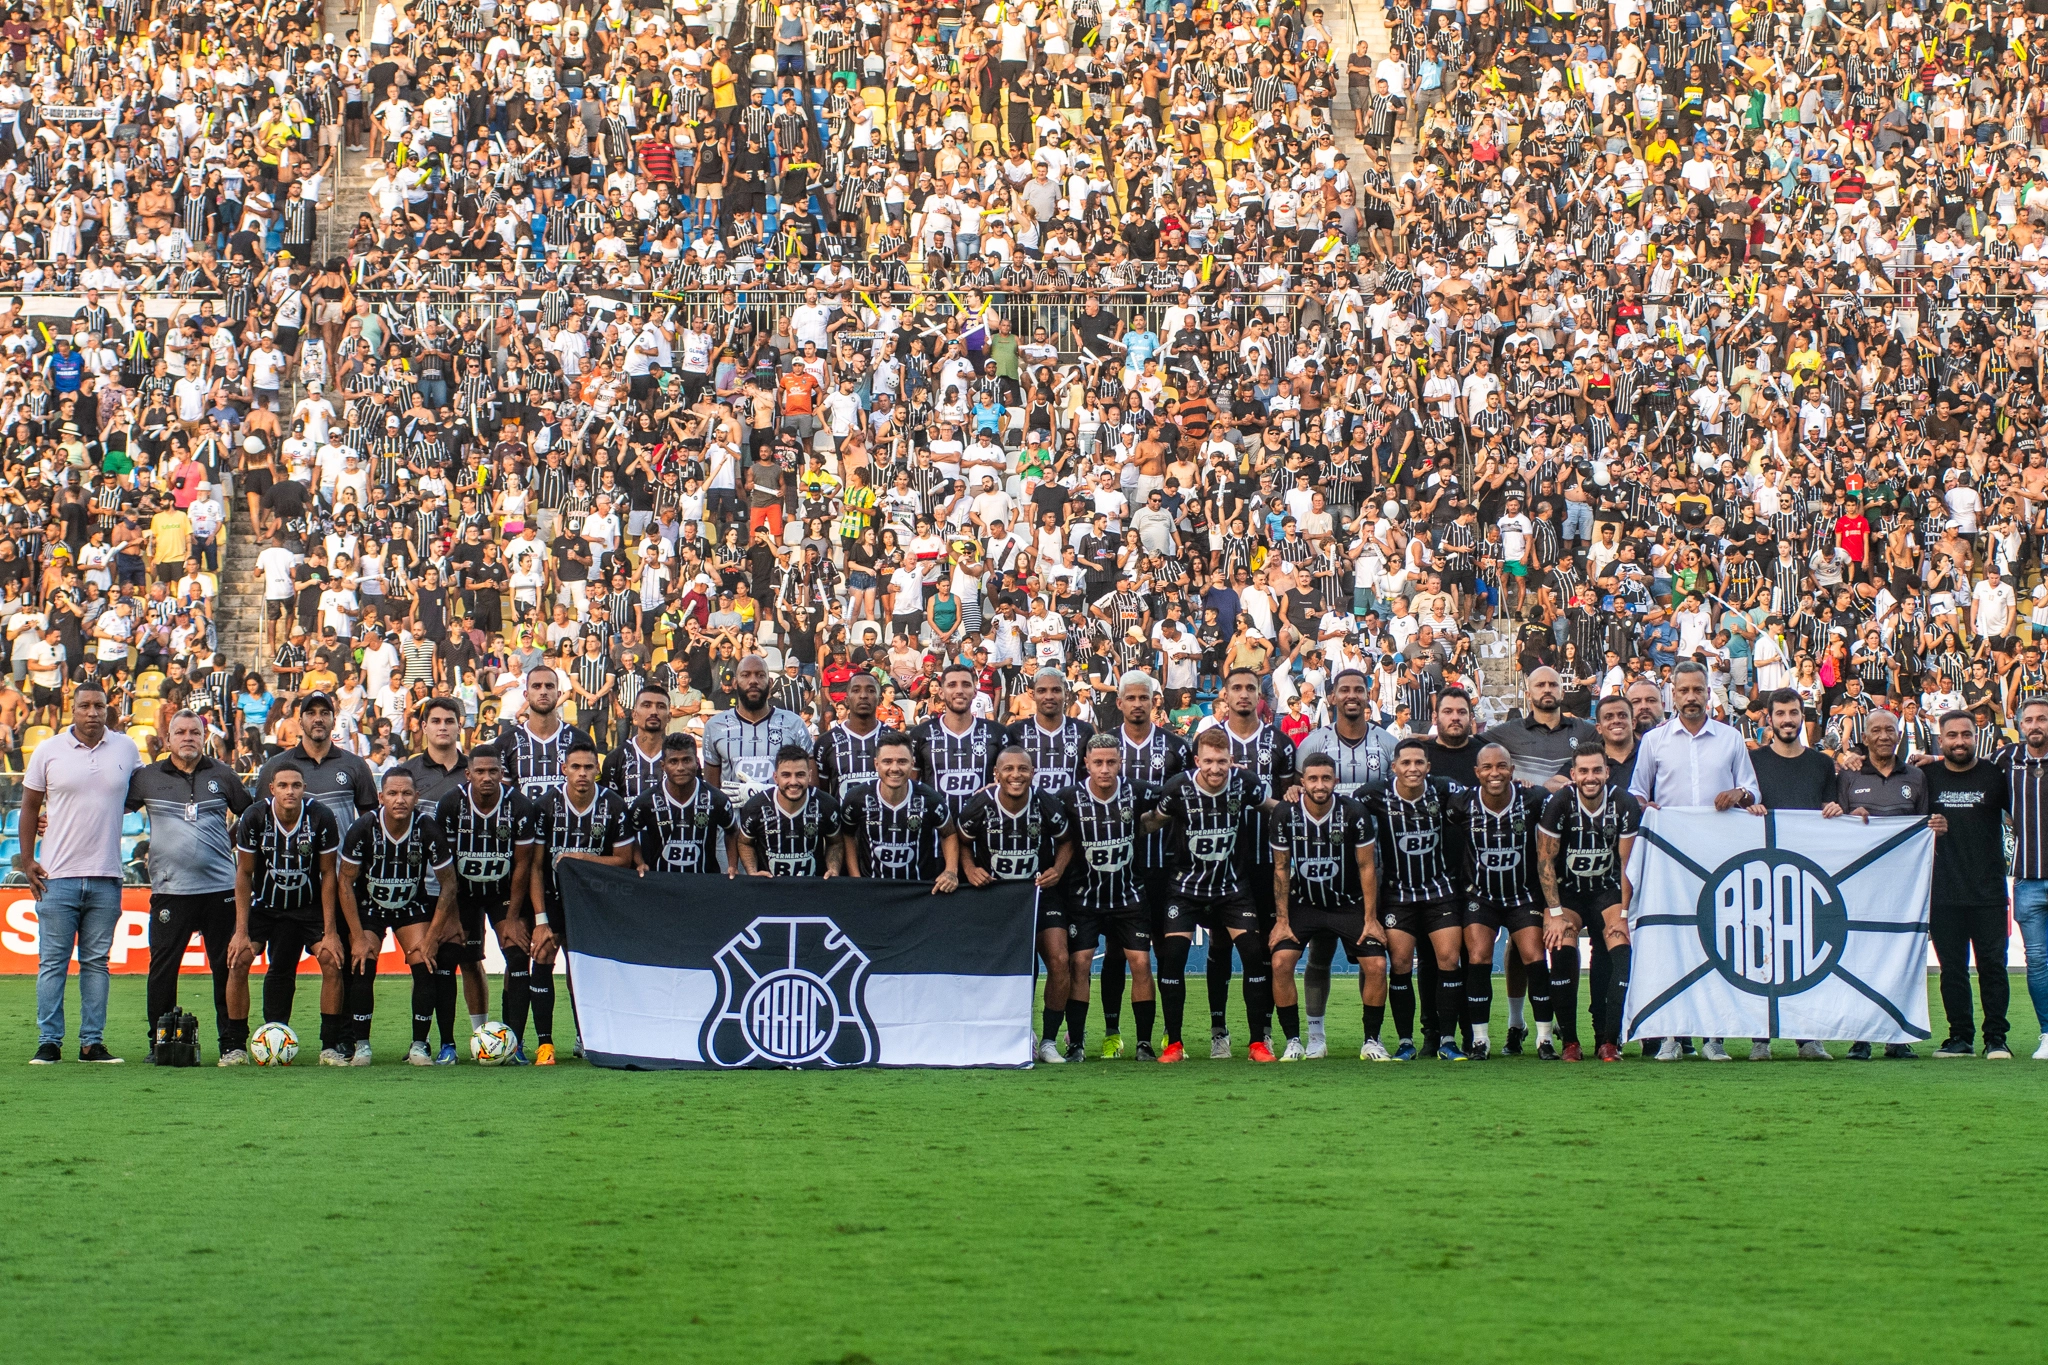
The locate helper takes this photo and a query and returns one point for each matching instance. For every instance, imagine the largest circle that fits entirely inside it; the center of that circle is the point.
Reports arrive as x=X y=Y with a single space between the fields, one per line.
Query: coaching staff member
x=190 y=799
x=1967 y=800
x=1884 y=784
x=1693 y=760
x=78 y=778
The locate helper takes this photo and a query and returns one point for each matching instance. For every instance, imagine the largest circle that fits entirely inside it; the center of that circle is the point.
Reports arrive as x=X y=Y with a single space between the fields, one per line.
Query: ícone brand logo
x=791 y=992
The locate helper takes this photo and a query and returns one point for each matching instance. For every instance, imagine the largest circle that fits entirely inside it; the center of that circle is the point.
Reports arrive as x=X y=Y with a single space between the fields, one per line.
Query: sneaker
x=1261 y=1051
x=2041 y=1052
x=1374 y=1051
x=97 y=1052
x=518 y=1057
x=1219 y=1045
x=1319 y=1048
x=446 y=1056
x=1951 y=1047
x=1573 y=1053
x=1294 y=1052
x=1513 y=1046
x=1714 y=1052
x=333 y=1056
x=1145 y=1052
x=361 y=1056
x=1859 y=1052
x=419 y=1055
x=1112 y=1047
x=49 y=1054
x=1427 y=1052
x=1049 y=1053
x=1667 y=1051
x=1449 y=1051
x=1546 y=1051
x=1995 y=1050
x=1900 y=1052
x=544 y=1055
x=1812 y=1051
x=234 y=1056
x=1405 y=1052
x=1479 y=1052
x=1760 y=1050
x=1607 y=1052
x=1077 y=1053
x=1175 y=1052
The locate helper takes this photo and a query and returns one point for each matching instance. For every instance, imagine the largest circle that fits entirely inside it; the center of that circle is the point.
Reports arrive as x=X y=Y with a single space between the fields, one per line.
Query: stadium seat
x=31 y=737
x=134 y=822
x=772 y=656
x=142 y=735
x=9 y=848
x=145 y=711
x=149 y=684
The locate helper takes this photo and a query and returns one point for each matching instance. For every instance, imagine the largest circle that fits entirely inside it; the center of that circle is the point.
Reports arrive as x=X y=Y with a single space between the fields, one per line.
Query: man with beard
x=1056 y=741
x=899 y=829
x=1501 y=819
x=1544 y=741
x=1325 y=886
x=1151 y=756
x=1105 y=890
x=1421 y=837
x=1582 y=848
x=1453 y=752
x=635 y=767
x=792 y=829
x=680 y=824
x=1019 y=833
x=742 y=746
x=846 y=751
x=578 y=820
x=342 y=784
x=1363 y=754
x=1789 y=776
x=490 y=829
x=534 y=744
x=956 y=749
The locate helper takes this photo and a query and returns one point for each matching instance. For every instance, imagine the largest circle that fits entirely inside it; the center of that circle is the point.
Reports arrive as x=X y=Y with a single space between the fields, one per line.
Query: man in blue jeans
x=78 y=780
x=2026 y=772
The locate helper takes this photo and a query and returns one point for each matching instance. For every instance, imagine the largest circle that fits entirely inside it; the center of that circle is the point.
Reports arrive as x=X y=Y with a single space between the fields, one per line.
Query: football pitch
x=1333 y=1211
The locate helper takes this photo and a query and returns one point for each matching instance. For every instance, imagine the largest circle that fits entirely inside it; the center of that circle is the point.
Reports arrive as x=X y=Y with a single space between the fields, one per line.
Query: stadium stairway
x=238 y=617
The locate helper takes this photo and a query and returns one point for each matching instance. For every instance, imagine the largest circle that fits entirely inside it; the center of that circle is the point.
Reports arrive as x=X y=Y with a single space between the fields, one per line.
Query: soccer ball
x=273 y=1045
x=492 y=1044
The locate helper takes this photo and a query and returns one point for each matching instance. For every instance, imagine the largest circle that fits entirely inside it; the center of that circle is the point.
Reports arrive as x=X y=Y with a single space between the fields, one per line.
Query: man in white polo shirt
x=78 y=778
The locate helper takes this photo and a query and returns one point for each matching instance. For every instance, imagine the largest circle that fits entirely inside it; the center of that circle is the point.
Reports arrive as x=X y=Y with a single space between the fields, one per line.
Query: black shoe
x=97 y=1052
x=1995 y=1049
x=1954 y=1047
x=49 y=1054
x=1428 y=1049
x=1145 y=1052
x=1859 y=1052
x=1899 y=1052
x=1546 y=1051
x=1513 y=1047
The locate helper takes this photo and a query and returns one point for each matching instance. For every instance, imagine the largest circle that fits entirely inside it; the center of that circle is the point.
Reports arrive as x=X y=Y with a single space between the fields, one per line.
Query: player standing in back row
x=956 y=749
x=1056 y=742
x=846 y=751
x=1152 y=755
x=743 y=745
x=1019 y=833
x=534 y=745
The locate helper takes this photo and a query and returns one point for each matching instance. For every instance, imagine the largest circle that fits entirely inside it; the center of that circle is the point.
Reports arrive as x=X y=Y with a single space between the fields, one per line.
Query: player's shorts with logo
x=1223 y=915
x=1424 y=918
x=1513 y=918
x=1345 y=926
x=304 y=926
x=1126 y=929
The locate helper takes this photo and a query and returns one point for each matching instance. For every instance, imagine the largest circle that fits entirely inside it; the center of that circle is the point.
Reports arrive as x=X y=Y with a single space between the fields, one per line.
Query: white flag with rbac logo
x=1786 y=925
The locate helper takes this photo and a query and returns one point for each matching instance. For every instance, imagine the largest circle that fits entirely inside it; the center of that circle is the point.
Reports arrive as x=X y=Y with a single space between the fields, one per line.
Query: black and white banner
x=1779 y=926
x=673 y=971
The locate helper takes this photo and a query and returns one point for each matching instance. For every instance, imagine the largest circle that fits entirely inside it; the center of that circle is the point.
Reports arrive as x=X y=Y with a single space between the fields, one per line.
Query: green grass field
x=1333 y=1211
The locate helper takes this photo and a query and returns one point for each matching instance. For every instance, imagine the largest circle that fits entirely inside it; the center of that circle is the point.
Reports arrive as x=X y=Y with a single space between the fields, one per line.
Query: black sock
x=1141 y=1012
x=1401 y=995
x=1538 y=976
x=1479 y=993
x=513 y=995
x=235 y=1034
x=1114 y=972
x=360 y=990
x=1258 y=985
x=1219 y=983
x=1617 y=992
x=330 y=1030
x=422 y=1001
x=444 y=1003
x=1173 y=986
x=540 y=988
x=1049 y=1020
x=1077 y=1021
x=1375 y=1018
x=1450 y=1005
x=1564 y=991
x=1426 y=985
x=1290 y=1020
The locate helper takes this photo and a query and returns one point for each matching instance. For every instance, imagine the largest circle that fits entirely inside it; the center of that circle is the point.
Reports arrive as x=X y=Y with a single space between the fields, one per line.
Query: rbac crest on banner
x=791 y=992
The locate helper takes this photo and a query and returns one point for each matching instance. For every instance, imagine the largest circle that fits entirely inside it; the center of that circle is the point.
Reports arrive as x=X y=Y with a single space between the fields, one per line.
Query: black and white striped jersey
x=484 y=844
x=559 y=827
x=846 y=758
x=786 y=844
x=1266 y=756
x=287 y=879
x=391 y=871
x=743 y=751
x=681 y=836
x=535 y=764
x=900 y=843
x=1503 y=846
x=631 y=773
x=1057 y=756
x=1212 y=834
x=1150 y=764
x=1104 y=873
x=1363 y=769
x=1421 y=843
x=1589 y=841
x=1322 y=853
x=1014 y=846
x=956 y=765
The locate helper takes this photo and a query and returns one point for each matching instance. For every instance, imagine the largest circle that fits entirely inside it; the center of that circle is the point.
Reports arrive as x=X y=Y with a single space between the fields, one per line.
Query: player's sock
x=235 y=1035
x=1564 y=991
x=1115 y=971
x=1401 y=995
x=1141 y=1015
x=1219 y=983
x=514 y=995
x=360 y=992
x=540 y=988
x=1539 y=992
x=1290 y=1020
x=1515 y=1009
x=422 y=1001
x=1426 y=984
x=1479 y=998
x=1173 y=986
x=445 y=987
x=1077 y=1021
x=1617 y=990
x=1375 y=1019
x=1544 y=1030
x=1049 y=1020
x=1450 y=1006
x=330 y=1031
x=1315 y=1029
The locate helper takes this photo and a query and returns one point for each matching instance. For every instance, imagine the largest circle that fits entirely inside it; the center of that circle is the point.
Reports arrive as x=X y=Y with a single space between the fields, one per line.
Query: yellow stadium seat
x=983 y=132
x=142 y=735
x=660 y=656
x=875 y=96
x=145 y=711
x=149 y=684
x=31 y=737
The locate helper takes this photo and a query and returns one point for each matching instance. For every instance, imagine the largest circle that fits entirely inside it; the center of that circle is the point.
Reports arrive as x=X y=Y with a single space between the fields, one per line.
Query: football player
x=1325 y=887
x=535 y=745
x=578 y=820
x=956 y=749
x=490 y=829
x=1582 y=850
x=285 y=898
x=846 y=752
x=898 y=829
x=679 y=825
x=792 y=829
x=1422 y=891
x=1018 y=833
x=1501 y=819
x=386 y=858
x=1105 y=887
x=1054 y=739
x=635 y=767
x=1151 y=755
